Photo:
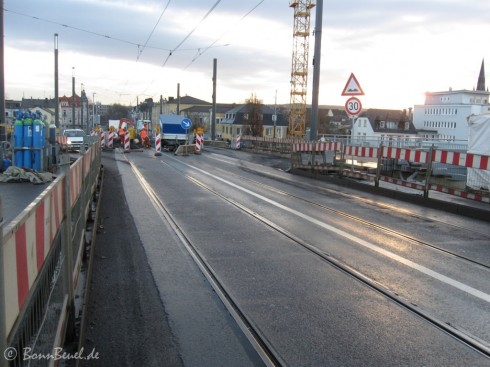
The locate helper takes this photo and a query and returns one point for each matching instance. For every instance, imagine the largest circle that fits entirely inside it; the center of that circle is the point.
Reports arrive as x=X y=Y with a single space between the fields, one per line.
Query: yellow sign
x=200 y=131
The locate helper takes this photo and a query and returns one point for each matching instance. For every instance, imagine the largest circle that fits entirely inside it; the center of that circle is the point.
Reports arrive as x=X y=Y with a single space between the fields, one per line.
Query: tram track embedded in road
x=263 y=348
x=464 y=337
x=260 y=342
x=375 y=225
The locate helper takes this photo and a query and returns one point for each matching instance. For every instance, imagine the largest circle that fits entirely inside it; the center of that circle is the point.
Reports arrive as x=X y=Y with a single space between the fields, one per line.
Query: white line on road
x=452 y=282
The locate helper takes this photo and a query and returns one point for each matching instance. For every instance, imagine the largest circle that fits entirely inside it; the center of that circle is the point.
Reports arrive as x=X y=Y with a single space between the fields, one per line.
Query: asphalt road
x=312 y=313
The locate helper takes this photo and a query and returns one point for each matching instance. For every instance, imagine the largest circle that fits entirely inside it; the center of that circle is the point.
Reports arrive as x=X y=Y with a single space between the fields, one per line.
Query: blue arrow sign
x=186 y=123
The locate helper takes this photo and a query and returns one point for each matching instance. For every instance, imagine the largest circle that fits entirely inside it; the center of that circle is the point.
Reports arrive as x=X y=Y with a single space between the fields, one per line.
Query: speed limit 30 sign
x=353 y=106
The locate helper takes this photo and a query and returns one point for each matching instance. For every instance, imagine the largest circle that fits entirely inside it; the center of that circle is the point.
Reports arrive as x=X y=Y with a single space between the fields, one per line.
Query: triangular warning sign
x=352 y=88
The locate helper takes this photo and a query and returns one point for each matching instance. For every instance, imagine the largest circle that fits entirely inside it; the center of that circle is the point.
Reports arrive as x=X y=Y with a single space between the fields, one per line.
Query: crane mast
x=299 y=67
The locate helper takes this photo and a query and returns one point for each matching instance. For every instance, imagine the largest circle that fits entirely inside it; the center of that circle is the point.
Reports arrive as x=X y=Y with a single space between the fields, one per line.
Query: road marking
x=452 y=282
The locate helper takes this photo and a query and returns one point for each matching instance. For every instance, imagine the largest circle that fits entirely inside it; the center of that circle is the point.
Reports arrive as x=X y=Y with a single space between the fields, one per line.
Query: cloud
x=407 y=46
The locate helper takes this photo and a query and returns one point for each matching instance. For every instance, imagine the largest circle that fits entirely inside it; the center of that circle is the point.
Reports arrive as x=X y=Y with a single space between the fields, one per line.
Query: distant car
x=74 y=138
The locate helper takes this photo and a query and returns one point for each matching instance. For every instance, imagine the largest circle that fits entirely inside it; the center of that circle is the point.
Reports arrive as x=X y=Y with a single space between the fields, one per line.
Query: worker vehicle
x=74 y=138
x=172 y=133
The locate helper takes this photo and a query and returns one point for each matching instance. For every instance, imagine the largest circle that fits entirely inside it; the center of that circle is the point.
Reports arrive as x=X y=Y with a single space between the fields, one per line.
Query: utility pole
x=3 y=122
x=93 y=111
x=73 y=98
x=178 y=98
x=316 y=70
x=274 y=117
x=213 y=113
x=56 y=103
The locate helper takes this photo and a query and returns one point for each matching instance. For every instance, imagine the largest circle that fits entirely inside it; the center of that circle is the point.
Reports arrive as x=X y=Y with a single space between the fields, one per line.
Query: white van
x=74 y=138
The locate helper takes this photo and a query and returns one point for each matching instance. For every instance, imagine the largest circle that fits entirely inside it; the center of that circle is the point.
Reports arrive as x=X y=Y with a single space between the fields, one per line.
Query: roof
x=43 y=103
x=189 y=100
x=220 y=108
x=399 y=117
x=267 y=113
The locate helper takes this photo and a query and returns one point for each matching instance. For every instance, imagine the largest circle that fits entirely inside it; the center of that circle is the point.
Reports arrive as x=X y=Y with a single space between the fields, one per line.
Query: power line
x=153 y=30
x=199 y=53
x=191 y=32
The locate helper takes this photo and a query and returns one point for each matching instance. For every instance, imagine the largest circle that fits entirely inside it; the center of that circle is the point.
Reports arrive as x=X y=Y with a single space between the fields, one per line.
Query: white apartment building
x=444 y=114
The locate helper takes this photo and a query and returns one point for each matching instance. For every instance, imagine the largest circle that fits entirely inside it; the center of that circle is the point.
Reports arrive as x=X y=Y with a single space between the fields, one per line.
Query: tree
x=253 y=117
x=116 y=112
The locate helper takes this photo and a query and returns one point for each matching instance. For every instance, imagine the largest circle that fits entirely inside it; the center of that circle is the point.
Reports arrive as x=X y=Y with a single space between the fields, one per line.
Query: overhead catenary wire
x=140 y=51
x=190 y=33
x=199 y=53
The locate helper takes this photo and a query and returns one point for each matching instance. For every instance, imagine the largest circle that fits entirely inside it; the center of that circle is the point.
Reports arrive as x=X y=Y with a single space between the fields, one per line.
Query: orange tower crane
x=299 y=67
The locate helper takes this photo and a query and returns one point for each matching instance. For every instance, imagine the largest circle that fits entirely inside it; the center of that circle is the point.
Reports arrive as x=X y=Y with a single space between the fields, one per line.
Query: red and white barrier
x=411 y=155
x=199 y=143
x=126 y=142
x=158 y=144
x=361 y=151
x=237 y=145
x=26 y=245
x=102 y=139
x=462 y=159
x=110 y=139
x=460 y=193
x=321 y=146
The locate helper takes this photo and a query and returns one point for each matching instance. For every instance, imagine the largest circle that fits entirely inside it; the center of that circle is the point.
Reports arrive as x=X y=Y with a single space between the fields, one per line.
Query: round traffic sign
x=353 y=106
x=186 y=123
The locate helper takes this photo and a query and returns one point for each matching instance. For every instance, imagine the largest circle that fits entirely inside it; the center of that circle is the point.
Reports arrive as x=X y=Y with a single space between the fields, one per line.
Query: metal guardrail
x=41 y=253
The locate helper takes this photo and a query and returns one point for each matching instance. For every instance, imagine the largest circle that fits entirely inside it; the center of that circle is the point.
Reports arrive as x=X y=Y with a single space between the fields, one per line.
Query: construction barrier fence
x=450 y=171
x=42 y=254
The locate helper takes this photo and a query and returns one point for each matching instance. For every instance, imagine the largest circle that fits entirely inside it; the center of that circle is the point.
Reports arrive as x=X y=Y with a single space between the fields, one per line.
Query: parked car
x=74 y=138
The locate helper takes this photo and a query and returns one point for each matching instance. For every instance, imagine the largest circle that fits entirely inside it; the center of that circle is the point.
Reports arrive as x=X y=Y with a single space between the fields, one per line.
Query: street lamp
x=93 y=111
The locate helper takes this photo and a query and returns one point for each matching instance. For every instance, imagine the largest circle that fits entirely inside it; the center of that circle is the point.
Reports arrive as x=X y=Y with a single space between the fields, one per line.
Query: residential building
x=237 y=122
x=201 y=116
x=377 y=125
x=444 y=114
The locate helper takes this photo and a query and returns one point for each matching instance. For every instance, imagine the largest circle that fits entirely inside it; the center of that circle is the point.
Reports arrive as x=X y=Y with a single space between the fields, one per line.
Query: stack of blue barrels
x=29 y=140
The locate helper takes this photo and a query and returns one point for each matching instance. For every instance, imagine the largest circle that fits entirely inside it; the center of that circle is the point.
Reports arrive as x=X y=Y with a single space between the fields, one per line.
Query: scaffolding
x=299 y=67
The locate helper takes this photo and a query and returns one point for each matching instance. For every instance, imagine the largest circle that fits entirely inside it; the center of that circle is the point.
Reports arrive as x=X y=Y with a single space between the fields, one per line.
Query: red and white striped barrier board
x=76 y=174
x=319 y=146
x=110 y=139
x=199 y=143
x=26 y=245
x=462 y=159
x=410 y=155
x=102 y=139
x=302 y=147
x=399 y=182
x=463 y=194
x=238 y=142
x=126 y=142
x=361 y=151
x=158 y=143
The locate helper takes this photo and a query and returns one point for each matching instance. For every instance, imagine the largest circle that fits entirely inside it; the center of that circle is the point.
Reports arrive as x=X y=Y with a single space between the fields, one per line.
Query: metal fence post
x=3 y=332
x=378 y=168
x=429 y=171
x=67 y=247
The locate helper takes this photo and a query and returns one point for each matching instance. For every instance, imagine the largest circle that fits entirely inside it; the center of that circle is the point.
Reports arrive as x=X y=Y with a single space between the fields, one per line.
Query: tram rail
x=257 y=339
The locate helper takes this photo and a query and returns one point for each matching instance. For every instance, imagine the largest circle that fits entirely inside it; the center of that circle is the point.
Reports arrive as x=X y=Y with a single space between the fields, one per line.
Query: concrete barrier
x=185 y=149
